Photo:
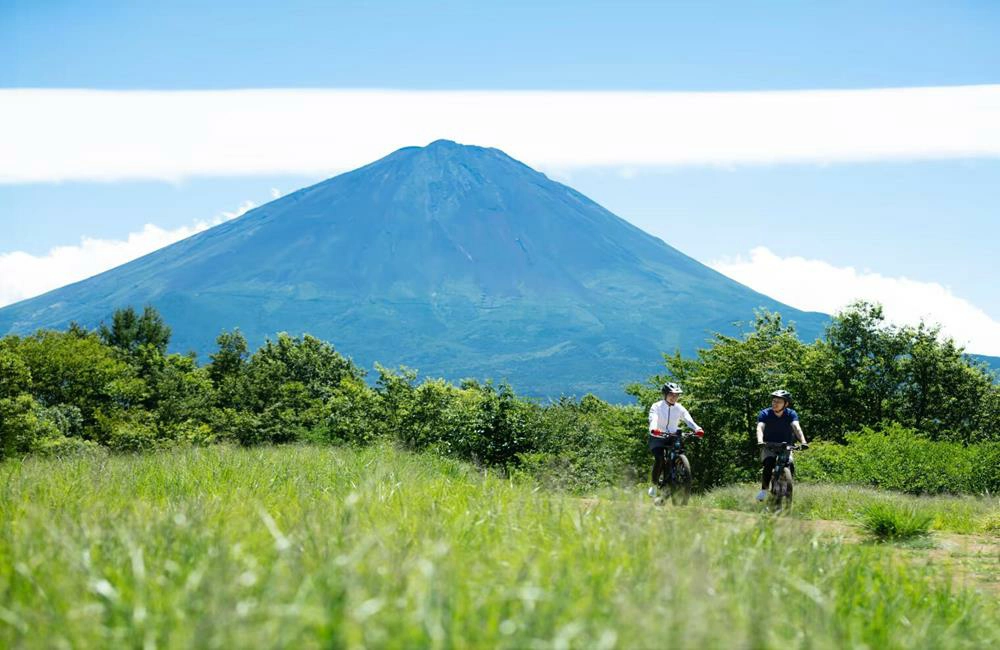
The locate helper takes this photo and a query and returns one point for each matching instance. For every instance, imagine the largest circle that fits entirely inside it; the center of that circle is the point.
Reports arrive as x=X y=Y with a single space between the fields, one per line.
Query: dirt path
x=973 y=561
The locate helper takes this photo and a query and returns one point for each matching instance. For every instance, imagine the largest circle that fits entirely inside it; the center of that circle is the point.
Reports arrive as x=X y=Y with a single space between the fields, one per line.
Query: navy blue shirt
x=778 y=429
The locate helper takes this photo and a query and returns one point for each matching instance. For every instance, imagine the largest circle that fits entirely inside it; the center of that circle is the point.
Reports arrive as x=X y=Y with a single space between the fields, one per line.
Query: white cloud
x=815 y=285
x=275 y=193
x=23 y=275
x=63 y=134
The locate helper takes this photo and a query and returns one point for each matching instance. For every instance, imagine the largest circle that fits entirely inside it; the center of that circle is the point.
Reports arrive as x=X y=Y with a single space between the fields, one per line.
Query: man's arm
x=760 y=433
x=688 y=420
x=797 y=428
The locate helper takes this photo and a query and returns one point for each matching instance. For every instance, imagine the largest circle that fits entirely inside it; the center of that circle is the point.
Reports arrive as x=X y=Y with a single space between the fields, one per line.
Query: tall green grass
x=955 y=514
x=320 y=547
x=889 y=522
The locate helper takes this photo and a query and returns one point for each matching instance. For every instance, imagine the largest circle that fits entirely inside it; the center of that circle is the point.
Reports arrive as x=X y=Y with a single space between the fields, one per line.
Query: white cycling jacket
x=664 y=417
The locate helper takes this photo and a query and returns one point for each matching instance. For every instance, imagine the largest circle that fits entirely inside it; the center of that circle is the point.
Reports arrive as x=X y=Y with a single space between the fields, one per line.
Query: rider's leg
x=659 y=466
x=765 y=480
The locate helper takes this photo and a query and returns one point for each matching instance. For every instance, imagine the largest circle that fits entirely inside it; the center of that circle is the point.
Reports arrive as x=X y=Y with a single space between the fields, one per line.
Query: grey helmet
x=783 y=394
x=671 y=387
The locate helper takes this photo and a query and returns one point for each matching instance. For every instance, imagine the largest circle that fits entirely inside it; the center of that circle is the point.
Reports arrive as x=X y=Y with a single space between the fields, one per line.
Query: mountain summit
x=457 y=260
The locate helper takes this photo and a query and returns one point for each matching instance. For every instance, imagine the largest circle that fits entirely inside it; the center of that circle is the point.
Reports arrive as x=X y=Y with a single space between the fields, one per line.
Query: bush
x=990 y=523
x=893 y=522
x=63 y=447
x=23 y=426
x=501 y=428
x=897 y=458
x=132 y=436
x=353 y=414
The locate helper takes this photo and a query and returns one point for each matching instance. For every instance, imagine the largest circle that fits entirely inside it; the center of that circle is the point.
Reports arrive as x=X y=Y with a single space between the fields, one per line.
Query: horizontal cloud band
x=64 y=134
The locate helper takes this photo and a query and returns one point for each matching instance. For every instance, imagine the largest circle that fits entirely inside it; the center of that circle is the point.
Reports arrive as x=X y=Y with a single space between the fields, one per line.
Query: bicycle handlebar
x=780 y=445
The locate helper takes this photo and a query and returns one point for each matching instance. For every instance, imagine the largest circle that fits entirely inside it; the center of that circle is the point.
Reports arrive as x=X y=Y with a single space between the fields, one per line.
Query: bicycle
x=782 y=480
x=678 y=470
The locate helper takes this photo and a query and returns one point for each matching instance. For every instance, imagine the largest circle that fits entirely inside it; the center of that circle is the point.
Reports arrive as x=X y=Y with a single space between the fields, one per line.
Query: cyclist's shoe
x=762 y=495
x=651 y=491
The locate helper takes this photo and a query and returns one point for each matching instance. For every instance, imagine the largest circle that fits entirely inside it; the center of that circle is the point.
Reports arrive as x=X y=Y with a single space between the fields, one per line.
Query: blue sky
x=928 y=220
x=515 y=44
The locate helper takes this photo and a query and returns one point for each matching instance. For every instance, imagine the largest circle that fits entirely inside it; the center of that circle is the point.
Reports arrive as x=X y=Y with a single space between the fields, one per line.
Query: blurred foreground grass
x=320 y=547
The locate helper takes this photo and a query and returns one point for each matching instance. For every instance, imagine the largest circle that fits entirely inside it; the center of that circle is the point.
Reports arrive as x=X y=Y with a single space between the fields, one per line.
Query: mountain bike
x=782 y=478
x=678 y=472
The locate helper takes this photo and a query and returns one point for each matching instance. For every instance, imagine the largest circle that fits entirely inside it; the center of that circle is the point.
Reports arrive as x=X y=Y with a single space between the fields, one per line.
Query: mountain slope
x=457 y=260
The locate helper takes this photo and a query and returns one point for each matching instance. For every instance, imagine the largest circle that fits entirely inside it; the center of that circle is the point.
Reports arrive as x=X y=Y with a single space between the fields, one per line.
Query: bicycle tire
x=680 y=487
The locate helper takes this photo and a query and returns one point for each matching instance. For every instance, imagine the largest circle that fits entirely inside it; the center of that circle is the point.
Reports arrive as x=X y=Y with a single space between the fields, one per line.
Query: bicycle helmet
x=671 y=387
x=783 y=394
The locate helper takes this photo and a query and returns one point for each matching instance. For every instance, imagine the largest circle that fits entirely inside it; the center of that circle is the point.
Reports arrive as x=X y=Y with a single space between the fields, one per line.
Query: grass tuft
x=888 y=521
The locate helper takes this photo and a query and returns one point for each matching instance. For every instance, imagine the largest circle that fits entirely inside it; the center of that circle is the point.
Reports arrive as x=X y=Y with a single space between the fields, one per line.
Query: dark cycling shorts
x=658 y=443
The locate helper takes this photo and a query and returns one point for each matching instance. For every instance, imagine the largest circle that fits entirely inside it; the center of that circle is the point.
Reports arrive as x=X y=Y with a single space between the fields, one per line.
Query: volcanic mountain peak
x=454 y=259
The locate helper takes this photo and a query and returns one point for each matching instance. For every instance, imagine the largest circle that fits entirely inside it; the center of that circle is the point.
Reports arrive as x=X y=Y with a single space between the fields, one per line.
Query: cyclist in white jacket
x=664 y=418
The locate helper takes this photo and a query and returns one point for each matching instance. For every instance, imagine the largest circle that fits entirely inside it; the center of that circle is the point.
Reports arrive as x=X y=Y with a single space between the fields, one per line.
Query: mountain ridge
x=455 y=259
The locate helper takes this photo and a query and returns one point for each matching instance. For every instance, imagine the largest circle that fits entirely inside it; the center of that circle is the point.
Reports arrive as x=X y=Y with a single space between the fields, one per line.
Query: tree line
x=118 y=387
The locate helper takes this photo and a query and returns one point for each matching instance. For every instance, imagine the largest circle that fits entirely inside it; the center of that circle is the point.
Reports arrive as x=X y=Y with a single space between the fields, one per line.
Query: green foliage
x=131 y=436
x=228 y=366
x=909 y=375
x=23 y=425
x=312 y=364
x=122 y=389
x=15 y=377
x=500 y=429
x=182 y=393
x=889 y=522
x=354 y=414
x=130 y=332
x=897 y=458
x=79 y=371
x=588 y=444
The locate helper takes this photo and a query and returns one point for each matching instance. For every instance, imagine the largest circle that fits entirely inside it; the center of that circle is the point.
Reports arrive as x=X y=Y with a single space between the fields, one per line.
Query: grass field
x=322 y=547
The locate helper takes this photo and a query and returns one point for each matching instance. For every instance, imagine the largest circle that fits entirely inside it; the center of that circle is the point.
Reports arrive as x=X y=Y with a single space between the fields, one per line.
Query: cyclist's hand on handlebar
x=700 y=433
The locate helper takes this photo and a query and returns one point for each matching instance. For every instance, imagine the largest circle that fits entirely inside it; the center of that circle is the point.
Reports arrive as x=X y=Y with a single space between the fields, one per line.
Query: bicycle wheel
x=783 y=490
x=680 y=487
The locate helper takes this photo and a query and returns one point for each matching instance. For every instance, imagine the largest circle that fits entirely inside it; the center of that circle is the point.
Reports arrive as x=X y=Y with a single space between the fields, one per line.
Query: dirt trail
x=973 y=561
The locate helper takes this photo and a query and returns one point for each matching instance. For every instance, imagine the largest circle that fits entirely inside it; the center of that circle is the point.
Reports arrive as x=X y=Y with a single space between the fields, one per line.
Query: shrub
x=23 y=425
x=353 y=414
x=990 y=523
x=132 y=436
x=64 y=447
x=897 y=458
x=895 y=522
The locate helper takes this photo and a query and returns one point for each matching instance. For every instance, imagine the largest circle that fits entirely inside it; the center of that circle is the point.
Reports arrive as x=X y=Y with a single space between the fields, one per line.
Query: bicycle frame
x=676 y=449
x=782 y=461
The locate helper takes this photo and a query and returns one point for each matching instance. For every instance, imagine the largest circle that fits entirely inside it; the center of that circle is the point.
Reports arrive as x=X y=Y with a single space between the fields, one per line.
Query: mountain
x=456 y=260
x=992 y=363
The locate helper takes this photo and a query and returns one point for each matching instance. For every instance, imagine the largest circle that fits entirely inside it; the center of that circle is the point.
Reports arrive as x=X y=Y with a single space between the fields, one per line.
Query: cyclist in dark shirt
x=776 y=424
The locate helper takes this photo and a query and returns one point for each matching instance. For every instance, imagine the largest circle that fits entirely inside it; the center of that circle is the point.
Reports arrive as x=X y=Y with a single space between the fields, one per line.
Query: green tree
x=80 y=371
x=182 y=392
x=865 y=354
x=942 y=393
x=230 y=361
x=15 y=377
x=306 y=360
x=22 y=426
x=129 y=331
